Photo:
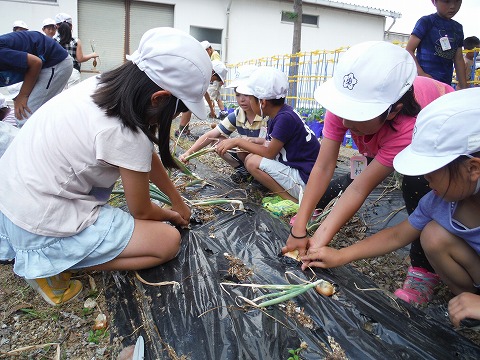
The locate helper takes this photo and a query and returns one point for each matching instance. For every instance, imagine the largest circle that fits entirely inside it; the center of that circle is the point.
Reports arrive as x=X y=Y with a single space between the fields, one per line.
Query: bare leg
x=185 y=119
x=252 y=164
x=220 y=104
x=452 y=258
x=152 y=243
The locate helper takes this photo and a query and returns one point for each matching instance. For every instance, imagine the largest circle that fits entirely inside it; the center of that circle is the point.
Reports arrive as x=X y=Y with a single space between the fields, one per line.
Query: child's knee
x=172 y=243
x=434 y=237
x=252 y=162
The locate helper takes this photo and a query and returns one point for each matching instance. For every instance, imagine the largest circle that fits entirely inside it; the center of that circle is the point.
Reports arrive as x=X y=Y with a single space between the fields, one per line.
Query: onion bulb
x=325 y=288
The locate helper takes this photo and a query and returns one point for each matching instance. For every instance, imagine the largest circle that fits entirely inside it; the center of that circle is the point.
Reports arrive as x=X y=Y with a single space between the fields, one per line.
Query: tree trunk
x=296 y=43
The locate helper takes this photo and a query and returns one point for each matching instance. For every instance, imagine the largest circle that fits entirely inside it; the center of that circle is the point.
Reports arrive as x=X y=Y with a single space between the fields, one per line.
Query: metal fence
x=308 y=70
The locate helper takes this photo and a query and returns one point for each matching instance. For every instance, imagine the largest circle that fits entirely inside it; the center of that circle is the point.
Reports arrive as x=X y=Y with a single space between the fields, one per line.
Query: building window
x=288 y=16
x=214 y=36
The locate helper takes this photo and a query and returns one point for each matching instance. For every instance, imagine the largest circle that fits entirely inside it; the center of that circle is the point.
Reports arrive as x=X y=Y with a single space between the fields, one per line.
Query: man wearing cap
x=53 y=203
x=49 y=27
x=19 y=25
x=214 y=55
x=283 y=162
x=376 y=94
x=37 y=60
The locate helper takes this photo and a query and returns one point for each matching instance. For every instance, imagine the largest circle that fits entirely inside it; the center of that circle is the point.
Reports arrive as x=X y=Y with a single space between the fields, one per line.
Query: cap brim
x=345 y=107
x=235 y=83
x=244 y=89
x=198 y=108
x=409 y=163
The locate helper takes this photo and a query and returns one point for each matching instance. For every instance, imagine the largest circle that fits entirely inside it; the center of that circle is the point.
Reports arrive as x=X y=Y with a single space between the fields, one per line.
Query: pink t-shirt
x=388 y=142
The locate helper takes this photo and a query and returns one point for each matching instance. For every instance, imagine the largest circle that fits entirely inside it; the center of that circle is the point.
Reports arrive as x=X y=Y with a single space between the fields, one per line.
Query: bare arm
x=136 y=187
x=210 y=104
x=381 y=243
x=322 y=173
x=269 y=152
x=159 y=176
x=349 y=203
x=34 y=66
x=80 y=57
x=459 y=64
x=412 y=45
x=203 y=141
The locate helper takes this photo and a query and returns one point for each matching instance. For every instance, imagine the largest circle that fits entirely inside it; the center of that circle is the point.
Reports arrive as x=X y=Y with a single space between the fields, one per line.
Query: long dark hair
x=125 y=93
x=64 y=32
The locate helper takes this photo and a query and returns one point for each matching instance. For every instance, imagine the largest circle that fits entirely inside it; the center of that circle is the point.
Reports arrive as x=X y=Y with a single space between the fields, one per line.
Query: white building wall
x=255 y=27
x=33 y=13
x=259 y=31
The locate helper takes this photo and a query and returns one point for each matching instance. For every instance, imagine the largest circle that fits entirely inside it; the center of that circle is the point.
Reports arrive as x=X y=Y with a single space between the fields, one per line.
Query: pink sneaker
x=418 y=286
x=315 y=215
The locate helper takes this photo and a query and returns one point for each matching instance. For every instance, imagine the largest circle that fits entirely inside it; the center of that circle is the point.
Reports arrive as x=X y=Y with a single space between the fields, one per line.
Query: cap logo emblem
x=349 y=81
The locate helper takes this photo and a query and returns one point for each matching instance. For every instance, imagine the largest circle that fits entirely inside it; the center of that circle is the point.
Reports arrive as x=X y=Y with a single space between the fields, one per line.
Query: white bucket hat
x=220 y=69
x=20 y=24
x=445 y=129
x=206 y=44
x=265 y=83
x=243 y=73
x=63 y=17
x=176 y=62
x=368 y=78
x=48 y=21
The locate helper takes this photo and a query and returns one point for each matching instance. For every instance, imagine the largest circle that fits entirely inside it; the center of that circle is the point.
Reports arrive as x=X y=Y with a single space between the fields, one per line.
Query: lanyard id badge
x=445 y=43
x=358 y=163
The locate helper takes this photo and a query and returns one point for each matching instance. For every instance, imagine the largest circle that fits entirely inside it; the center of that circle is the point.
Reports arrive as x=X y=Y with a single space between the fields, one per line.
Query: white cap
x=368 y=78
x=265 y=83
x=176 y=62
x=48 y=21
x=220 y=68
x=205 y=44
x=62 y=17
x=20 y=24
x=243 y=73
x=445 y=129
x=3 y=102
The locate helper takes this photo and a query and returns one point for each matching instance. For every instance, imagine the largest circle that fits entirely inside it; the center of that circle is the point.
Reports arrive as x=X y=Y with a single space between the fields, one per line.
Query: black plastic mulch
x=199 y=320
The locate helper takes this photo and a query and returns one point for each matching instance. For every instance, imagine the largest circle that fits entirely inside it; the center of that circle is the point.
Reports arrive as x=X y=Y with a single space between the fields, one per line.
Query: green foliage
x=87 y=311
x=310 y=115
x=295 y=354
x=291 y=15
x=94 y=336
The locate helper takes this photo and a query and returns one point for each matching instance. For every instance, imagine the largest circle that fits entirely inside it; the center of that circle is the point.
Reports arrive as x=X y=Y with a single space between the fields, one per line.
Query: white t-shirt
x=62 y=165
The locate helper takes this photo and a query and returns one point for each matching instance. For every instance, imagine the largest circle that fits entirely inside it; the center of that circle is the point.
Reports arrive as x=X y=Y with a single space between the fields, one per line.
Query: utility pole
x=296 y=44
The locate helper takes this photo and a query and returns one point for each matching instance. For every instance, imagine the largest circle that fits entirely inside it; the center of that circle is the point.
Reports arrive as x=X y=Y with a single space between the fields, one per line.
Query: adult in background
x=214 y=55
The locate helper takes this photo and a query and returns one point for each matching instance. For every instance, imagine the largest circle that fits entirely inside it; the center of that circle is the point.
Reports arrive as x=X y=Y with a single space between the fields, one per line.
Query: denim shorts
x=39 y=256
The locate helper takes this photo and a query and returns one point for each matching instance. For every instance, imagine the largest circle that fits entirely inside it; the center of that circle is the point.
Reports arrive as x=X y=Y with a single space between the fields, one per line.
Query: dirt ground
x=32 y=329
